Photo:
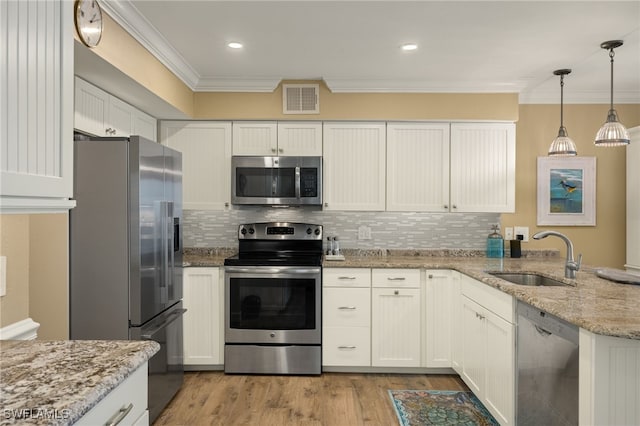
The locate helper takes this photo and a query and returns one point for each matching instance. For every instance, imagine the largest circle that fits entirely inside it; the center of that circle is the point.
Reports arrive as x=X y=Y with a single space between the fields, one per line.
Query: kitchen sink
x=525 y=278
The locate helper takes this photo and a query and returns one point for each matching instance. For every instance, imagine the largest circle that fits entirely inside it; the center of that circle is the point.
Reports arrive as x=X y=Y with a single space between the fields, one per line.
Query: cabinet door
x=354 y=166
x=36 y=105
x=144 y=125
x=483 y=160
x=440 y=311
x=119 y=118
x=206 y=161
x=255 y=138
x=395 y=327
x=203 y=320
x=300 y=138
x=500 y=369
x=91 y=109
x=418 y=167
x=474 y=346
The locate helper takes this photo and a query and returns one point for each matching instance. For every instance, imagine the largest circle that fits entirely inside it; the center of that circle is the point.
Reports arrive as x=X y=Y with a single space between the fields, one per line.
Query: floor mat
x=422 y=407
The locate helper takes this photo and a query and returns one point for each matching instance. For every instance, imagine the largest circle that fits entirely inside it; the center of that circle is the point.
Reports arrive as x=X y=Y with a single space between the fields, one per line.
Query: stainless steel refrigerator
x=126 y=252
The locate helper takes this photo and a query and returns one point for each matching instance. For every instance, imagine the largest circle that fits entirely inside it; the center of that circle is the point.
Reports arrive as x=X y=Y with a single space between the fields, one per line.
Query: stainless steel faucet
x=571 y=266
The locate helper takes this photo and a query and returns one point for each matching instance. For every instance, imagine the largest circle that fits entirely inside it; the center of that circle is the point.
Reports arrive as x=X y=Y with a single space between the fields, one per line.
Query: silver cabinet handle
x=346 y=278
x=347 y=308
x=119 y=416
x=396 y=278
x=346 y=347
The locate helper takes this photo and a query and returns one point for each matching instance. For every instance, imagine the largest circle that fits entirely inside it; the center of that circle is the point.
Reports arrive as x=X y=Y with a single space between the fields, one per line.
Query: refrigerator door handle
x=168 y=320
x=170 y=246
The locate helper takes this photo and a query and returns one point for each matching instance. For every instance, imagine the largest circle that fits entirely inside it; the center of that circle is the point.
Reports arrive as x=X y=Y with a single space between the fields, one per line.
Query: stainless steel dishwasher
x=547 y=362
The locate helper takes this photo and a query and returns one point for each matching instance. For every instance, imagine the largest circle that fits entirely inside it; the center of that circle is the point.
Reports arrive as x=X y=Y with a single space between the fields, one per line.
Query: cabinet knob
x=226 y=204
x=454 y=206
x=326 y=204
x=273 y=150
x=396 y=292
x=430 y=276
x=280 y=150
x=446 y=207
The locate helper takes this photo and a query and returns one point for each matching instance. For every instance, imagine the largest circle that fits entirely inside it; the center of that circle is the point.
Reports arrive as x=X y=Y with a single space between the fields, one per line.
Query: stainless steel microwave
x=276 y=180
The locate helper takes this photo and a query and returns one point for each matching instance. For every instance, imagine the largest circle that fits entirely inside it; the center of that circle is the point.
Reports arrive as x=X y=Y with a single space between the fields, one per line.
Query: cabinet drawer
x=395 y=278
x=348 y=307
x=346 y=277
x=494 y=300
x=133 y=391
x=346 y=346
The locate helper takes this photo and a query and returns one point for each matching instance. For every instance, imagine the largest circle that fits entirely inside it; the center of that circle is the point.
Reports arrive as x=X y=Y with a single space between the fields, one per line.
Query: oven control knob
x=243 y=231
x=317 y=232
x=272 y=334
x=251 y=231
x=308 y=231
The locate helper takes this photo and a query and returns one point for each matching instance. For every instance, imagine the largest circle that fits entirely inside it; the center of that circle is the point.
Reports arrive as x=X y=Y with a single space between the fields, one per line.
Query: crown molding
x=237 y=84
x=415 y=86
x=584 y=97
x=129 y=18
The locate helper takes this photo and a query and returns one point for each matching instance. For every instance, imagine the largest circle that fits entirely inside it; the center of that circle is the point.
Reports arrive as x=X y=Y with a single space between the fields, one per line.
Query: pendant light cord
x=561 y=100
x=611 y=55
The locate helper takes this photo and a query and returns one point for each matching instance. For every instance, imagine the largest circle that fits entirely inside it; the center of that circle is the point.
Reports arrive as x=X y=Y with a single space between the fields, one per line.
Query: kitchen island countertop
x=57 y=382
x=592 y=303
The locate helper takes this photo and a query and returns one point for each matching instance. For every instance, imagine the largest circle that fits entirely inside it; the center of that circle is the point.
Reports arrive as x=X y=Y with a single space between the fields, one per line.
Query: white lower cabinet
x=488 y=349
x=346 y=317
x=124 y=405
x=395 y=318
x=204 y=320
x=440 y=317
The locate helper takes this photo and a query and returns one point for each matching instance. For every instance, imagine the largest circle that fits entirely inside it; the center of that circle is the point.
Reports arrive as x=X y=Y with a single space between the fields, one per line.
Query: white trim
x=22 y=205
x=591 y=97
x=214 y=84
x=128 y=17
x=27 y=329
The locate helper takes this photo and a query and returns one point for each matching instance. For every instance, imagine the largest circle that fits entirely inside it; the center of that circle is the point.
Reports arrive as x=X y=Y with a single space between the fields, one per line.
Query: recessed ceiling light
x=409 y=46
x=235 y=45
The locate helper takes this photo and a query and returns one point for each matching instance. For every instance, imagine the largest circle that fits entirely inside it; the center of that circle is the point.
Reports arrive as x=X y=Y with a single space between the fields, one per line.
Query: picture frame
x=566 y=191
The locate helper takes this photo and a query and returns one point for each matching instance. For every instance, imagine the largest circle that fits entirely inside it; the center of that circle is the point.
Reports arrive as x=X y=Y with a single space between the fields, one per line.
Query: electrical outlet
x=364 y=233
x=523 y=231
x=508 y=233
x=3 y=276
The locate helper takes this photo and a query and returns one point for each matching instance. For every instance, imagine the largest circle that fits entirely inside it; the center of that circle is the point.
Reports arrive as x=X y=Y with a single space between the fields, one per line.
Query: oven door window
x=272 y=304
x=260 y=182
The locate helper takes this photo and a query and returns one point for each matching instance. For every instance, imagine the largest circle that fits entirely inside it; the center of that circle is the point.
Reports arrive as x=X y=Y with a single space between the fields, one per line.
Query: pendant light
x=612 y=132
x=562 y=145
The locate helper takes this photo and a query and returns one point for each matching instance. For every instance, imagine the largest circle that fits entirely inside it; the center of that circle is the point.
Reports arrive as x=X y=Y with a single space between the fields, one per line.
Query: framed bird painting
x=567 y=191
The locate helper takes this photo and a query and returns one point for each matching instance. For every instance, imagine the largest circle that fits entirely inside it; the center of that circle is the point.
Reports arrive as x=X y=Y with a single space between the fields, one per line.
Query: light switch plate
x=3 y=276
x=522 y=230
x=508 y=233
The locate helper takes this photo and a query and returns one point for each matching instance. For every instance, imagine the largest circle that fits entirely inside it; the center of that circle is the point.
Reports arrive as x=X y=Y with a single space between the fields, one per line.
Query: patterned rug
x=422 y=407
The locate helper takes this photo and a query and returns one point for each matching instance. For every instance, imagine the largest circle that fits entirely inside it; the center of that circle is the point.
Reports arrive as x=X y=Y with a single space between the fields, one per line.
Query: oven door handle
x=272 y=270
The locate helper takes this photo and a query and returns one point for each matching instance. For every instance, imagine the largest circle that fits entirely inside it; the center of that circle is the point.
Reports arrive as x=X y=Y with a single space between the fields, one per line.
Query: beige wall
x=604 y=244
x=121 y=50
x=37 y=277
x=360 y=106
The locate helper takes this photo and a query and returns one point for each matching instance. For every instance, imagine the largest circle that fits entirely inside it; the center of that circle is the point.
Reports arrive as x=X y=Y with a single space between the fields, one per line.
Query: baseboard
x=27 y=329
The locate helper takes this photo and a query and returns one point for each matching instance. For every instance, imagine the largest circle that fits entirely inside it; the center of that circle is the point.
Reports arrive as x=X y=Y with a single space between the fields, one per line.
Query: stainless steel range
x=273 y=291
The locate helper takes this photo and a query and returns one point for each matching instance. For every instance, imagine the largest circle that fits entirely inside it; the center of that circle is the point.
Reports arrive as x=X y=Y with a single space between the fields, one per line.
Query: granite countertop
x=57 y=382
x=598 y=305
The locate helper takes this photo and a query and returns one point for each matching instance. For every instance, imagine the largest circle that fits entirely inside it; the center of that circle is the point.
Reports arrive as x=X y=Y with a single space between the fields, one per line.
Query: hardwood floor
x=213 y=398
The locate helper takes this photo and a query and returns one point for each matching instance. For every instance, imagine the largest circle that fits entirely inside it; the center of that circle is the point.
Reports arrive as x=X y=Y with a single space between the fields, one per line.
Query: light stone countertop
x=598 y=305
x=57 y=382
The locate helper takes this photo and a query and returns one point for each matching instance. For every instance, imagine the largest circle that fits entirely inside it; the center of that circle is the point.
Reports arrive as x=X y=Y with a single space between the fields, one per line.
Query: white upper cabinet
x=633 y=202
x=458 y=167
x=418 y=167
x=36 y=106
x=206 y=161
x=483 y=167
x=255 y=138
x=300 y=138
x=100 y=114
x=268 y=138
x=354 y=158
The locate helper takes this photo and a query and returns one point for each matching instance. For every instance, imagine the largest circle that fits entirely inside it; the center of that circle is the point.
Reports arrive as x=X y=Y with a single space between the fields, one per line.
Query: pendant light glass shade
x=562 y=145
x=612 y=132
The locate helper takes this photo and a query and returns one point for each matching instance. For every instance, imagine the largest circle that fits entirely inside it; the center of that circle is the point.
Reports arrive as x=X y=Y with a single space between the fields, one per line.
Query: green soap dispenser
x=495 y=244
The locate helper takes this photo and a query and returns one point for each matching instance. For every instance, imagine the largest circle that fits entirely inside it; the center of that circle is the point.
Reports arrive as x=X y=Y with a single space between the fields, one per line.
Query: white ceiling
x=470 y=46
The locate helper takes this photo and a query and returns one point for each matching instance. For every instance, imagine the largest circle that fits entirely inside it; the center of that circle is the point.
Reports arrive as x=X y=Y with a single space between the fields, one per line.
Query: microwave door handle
x=298 y=182
x=274 y=185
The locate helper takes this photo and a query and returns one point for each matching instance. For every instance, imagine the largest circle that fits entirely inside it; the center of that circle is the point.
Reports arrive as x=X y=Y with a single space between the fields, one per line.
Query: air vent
x=300 y=99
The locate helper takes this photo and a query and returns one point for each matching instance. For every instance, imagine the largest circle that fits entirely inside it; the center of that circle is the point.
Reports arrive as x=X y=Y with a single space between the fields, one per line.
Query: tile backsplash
x=389 y=230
